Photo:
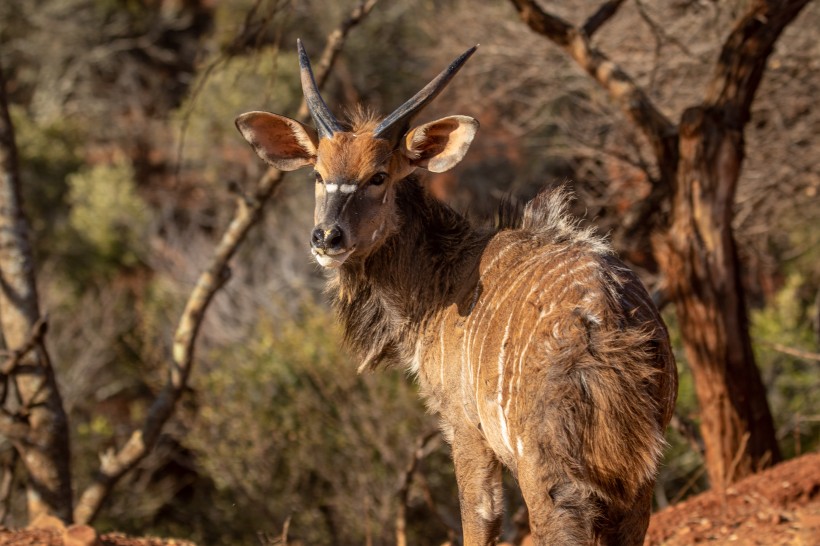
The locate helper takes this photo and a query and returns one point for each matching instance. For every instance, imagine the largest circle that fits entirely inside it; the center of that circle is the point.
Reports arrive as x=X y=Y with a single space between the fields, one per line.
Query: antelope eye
x=319 y=179
x=378 y=179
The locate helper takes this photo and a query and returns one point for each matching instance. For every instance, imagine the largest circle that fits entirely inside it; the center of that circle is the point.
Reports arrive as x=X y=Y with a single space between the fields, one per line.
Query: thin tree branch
x=689 y=431
x=451 y=521
x=659 y=32
x=743 y=58
x=604 y=13
x=660 y=131
x=114 y=464
x=405 y=481
x=35 y=338
x=6 y=484
x=335 y=41
x=791 y=351
x=14 y=429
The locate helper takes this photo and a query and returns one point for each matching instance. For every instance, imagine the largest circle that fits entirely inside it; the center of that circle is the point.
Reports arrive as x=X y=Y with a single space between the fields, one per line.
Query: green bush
x=792 y=381
x=108 y=216
x=286 y=428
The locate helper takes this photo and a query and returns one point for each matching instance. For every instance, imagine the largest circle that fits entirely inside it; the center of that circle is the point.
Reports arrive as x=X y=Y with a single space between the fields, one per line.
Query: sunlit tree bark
x=36 y=422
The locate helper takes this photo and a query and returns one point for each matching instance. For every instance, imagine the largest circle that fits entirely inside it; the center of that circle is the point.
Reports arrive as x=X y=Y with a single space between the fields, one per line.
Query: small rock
x=81 y=535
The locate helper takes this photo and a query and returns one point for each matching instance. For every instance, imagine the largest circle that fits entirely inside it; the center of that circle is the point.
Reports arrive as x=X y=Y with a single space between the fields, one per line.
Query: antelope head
x=358 y=167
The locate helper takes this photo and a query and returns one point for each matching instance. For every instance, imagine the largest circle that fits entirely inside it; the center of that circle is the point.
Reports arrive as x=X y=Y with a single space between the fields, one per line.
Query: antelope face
x=358 y=169
x=356 y=177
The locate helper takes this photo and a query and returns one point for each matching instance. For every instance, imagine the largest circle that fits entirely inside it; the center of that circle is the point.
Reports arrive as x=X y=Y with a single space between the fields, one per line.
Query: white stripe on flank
x=520 y=335
x=505 y=434
x=501 y=356
x=498 y=256
x=502 y=418
x=493 y=300
x=525 y=349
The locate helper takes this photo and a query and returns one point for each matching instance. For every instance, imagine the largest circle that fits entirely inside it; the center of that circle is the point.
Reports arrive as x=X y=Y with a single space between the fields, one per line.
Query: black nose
x=327 y=239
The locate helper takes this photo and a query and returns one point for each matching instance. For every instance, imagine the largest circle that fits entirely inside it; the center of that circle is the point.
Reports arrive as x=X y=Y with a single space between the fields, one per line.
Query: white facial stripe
x=344 y=188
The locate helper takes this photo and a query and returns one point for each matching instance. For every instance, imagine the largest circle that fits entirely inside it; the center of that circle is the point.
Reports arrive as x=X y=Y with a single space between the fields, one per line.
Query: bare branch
x=604 y=13
x=115 y=464
x=35 y=338
x=14 y=429
x=661 y=133
x=406 y=479
x=689 y=431
x=744 y=56
x=791 y=351
x=335 y=41
x=659 y=32
x=6 y=483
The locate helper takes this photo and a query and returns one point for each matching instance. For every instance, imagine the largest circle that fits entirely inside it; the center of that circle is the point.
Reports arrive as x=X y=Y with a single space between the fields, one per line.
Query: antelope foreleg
x=481 y=497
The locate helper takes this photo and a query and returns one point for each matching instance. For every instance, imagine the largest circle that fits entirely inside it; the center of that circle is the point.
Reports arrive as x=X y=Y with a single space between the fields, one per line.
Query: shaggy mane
x=548 y=215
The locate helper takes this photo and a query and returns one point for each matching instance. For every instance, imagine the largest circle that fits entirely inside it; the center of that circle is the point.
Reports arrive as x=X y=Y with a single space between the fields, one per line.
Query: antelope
x=539 y=350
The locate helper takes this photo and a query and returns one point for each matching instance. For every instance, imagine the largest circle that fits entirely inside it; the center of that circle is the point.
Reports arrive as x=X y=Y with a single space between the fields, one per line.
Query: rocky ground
x=775 y=508
x=778 y=507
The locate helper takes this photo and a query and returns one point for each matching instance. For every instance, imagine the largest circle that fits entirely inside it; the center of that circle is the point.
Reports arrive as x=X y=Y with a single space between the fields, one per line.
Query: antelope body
x=539 y=349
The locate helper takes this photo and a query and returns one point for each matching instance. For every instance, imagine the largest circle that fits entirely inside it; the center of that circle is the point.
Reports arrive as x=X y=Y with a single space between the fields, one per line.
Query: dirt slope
x=778 y=507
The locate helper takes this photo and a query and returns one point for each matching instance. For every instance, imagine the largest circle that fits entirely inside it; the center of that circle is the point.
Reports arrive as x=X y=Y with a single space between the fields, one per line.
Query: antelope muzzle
x=329 y=245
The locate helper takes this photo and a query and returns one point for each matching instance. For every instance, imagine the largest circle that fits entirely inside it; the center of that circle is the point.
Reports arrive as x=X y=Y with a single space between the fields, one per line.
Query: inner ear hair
x=439 y=145
x=281 y=142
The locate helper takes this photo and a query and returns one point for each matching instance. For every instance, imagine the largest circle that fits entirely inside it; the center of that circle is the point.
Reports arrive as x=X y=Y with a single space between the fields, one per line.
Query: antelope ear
x=282 y=142
x=439 y=145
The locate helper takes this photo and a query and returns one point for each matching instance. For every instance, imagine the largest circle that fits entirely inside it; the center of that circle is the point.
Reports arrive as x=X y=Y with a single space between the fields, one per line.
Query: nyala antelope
x=537 y=347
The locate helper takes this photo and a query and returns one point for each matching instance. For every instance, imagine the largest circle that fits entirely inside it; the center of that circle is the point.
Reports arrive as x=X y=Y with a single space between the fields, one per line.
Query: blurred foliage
x=683 y=472
x=48 y=153
x=283 y=417
x=786 y=322
x=267 y=81
x=109 y=216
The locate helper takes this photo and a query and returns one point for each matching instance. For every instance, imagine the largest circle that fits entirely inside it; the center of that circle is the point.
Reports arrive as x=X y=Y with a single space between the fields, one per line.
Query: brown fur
x=538 y=348
x=598 y=379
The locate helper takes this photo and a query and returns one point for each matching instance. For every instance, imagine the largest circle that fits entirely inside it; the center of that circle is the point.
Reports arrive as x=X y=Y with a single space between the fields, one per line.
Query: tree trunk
x=702 y=270
x=40 y=424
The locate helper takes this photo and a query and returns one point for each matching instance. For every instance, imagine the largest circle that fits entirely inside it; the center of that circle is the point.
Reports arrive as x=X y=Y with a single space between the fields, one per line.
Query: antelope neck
x=428 y=264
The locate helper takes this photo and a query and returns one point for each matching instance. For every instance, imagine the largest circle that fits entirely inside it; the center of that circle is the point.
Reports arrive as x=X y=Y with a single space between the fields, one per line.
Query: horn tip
x=304 y=61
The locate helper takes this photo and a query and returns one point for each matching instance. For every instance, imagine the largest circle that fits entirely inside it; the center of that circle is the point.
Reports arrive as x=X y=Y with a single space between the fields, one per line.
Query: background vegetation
x=130 y=167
